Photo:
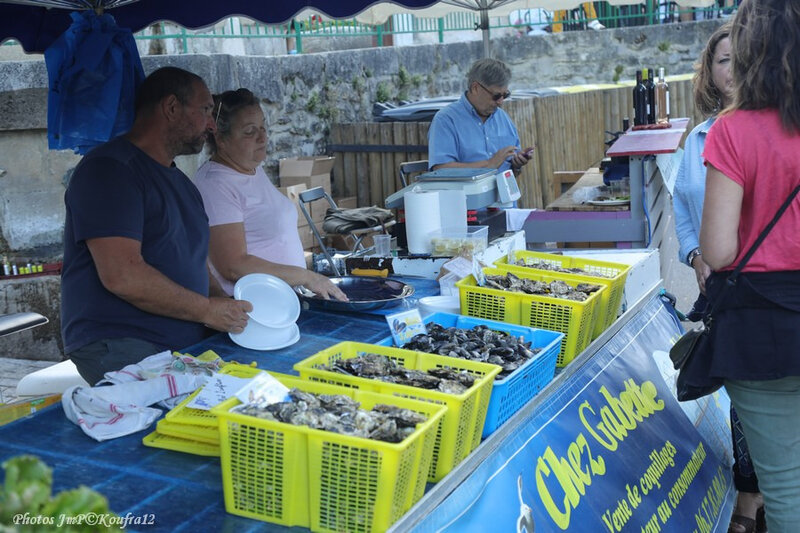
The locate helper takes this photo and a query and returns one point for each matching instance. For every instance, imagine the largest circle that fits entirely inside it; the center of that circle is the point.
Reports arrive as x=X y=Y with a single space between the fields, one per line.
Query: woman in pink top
x=253 y=226
x=752 y=155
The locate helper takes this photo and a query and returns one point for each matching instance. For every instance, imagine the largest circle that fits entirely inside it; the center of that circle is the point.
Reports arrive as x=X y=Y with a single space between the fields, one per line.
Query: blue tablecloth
x=181 y=492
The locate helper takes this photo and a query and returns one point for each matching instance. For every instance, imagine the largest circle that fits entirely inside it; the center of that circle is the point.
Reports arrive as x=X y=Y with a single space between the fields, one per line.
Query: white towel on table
x=119 y=404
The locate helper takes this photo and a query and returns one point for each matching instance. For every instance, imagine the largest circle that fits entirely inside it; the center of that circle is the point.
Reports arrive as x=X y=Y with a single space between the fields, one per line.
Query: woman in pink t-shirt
x=752 y=153
x=253 y=226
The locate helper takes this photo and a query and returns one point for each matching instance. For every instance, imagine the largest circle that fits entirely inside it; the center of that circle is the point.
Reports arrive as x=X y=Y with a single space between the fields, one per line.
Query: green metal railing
x=651 y=12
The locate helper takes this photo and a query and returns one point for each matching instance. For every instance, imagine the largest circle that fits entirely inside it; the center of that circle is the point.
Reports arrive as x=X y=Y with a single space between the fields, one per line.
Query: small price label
x=405 y=325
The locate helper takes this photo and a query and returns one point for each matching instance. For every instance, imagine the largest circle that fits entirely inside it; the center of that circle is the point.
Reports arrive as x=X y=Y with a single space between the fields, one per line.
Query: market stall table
x=171 y=491
x=640 y=225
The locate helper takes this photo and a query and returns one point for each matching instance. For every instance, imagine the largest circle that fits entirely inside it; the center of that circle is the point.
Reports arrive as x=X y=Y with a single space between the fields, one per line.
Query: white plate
x=436 y=304
x=608 y=202
x=258 y=337
x=274 y=302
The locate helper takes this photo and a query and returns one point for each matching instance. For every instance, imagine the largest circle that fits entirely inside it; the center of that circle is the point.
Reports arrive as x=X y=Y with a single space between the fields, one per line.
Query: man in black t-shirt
x=135 y=279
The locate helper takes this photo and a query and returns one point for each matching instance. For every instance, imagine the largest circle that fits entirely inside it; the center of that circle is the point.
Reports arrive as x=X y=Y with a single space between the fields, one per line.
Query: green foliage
x=416 y=80
x=367 y=72
x=403 y=76
x=617 y=73
x=313 y=102
x=663 y=46
x=27 y=486
x=382 y=93
x=27 y=491
x=328 y=112
x=358 y=84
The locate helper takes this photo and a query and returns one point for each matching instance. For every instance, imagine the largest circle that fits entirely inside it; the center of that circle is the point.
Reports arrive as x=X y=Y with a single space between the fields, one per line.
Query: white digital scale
x=483 y=187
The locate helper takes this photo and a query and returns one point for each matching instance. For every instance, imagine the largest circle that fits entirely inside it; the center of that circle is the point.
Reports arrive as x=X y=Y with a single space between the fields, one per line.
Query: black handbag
x=692 y=354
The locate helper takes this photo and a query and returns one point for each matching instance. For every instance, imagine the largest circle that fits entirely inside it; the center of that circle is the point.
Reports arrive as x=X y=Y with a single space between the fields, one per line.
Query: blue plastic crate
x=516 y=389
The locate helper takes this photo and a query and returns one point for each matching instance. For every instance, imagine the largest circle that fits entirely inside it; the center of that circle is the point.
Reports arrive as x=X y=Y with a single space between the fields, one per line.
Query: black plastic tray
x=365 y=293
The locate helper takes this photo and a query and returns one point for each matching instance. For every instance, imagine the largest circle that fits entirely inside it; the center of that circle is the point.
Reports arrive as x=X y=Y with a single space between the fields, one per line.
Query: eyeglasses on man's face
x=495 y=96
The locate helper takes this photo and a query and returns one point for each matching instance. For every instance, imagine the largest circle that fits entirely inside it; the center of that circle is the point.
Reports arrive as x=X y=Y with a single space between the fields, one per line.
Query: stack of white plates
x=275 y=310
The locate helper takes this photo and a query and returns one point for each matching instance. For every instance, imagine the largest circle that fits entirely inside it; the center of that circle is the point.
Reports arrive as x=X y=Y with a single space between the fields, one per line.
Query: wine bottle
x=651 y=95
x=639 y=101
x=662 y=99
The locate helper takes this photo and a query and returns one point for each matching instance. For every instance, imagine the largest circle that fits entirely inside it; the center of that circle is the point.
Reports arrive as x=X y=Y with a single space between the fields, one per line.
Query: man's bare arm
x=124 y=272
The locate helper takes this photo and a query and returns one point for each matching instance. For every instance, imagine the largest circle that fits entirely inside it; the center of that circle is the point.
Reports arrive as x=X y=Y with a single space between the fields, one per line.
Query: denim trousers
x=107 y=355
x=769 y=412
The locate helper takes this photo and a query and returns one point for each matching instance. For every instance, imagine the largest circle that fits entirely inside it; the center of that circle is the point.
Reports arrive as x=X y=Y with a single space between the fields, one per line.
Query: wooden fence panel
x=337 y=185
x=375 y=160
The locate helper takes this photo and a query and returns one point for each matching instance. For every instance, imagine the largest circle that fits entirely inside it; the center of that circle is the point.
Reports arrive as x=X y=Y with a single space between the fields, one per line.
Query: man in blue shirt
x=135 y=279
x=475 y=131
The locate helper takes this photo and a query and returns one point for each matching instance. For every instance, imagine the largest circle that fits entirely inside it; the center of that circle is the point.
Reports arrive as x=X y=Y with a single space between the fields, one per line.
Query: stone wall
x=303 y=94
x=39 y=295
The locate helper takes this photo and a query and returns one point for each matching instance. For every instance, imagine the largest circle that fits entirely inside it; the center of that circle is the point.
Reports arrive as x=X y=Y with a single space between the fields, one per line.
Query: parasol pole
x=484 y=26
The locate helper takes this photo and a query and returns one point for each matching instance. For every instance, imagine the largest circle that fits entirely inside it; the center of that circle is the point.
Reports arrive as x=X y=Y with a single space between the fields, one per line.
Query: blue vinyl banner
x=611 y=450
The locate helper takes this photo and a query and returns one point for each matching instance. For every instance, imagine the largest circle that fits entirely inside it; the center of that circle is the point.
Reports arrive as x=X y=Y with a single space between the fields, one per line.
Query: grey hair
x=489 y=72
x=227 y=106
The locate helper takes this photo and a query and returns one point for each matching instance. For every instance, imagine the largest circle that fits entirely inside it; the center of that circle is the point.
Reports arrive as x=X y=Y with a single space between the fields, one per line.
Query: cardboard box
x=307 y=237
x=318 y=211
x=313 y=171
x=322 y=180
x=293 y=193
x=305 y=167
x=338 y=242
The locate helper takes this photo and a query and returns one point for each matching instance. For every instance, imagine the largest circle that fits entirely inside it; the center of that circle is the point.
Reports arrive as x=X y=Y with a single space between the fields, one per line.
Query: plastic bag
x=93 y=70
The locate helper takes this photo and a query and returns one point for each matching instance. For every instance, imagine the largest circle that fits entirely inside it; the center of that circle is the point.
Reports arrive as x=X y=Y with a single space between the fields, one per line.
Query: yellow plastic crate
x=611 y=299
x=573 y=319
x=462 y=425
x=298 y=476
x=599 y=318
x=207 y=434
x=177 y=444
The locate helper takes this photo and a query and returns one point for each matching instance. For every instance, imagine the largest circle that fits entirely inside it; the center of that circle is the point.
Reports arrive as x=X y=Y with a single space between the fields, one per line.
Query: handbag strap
x=731 y=280
x=762 y=236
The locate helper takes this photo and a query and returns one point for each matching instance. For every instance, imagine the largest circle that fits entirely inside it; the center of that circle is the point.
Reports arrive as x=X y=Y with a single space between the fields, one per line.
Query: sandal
x=750 y=525
x=761 y=520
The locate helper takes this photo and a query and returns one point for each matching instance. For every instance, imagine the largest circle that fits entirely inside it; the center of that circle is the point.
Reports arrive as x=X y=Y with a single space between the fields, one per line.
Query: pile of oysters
x=380 y=367
x=554 y=289
x=545 y=265
x=477 y=344
x=340 y=414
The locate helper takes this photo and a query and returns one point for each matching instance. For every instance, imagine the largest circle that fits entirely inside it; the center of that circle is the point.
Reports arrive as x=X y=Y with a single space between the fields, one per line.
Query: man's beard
x=190 y=146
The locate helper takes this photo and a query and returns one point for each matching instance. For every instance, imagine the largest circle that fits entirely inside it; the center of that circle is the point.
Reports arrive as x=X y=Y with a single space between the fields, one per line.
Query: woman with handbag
x=750 y=222
x=712 y=87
